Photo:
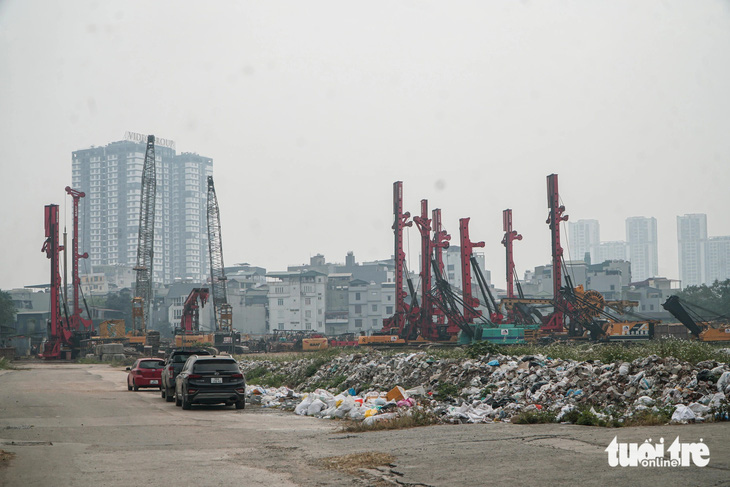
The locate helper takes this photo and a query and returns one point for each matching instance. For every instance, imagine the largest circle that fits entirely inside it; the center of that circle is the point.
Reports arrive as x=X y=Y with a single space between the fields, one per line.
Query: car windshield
x=180 y=359
x=151 y=364
x=216 y=366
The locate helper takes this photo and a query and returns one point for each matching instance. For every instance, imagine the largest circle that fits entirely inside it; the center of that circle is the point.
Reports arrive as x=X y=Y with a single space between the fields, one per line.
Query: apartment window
x=358 y=323
x=375 y=323
x=308 y=313
x=357 y=296
x=307 y=301
x=279 y=290
x=358 y=308
x=375 y=308
x=308 y=326
x=389 y=310
x=390 y=298
x=280 y=302
x=450 y=267
x=281 y=326
x=319 y=311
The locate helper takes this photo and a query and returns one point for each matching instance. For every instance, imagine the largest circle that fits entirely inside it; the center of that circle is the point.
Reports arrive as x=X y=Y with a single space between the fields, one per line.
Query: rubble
x=493 y=387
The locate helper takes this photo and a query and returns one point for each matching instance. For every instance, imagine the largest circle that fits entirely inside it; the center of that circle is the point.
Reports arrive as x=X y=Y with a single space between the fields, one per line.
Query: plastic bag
x=301 y=408
x=683 y=413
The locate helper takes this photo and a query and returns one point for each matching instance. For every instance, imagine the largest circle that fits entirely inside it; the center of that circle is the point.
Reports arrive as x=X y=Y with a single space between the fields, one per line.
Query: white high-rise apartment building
x=718 y=259
x=583 y=238
x=641 y=237
x=692 y=243
x=111 y=177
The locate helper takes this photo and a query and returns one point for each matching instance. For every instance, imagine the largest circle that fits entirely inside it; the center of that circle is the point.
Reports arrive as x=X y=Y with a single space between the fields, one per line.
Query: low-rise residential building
x=297 y=300
x=369 y=304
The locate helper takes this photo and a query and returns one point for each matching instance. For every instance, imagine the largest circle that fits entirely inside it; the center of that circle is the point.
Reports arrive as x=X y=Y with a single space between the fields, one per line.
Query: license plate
x=216 y=380
x=153 y=382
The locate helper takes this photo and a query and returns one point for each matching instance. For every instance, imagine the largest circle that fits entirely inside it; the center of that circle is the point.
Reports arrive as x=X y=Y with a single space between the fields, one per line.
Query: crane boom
x=223 y=315
x=77 y=322
x=145 y=242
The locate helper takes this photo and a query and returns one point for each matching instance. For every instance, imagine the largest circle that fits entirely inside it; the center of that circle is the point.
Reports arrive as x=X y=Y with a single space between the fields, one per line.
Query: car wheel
x=162 y=393
x=178 y=401
x=135 y=387
x=169 y=397
x=129 y=387
x=241 y=404
x=186 y=402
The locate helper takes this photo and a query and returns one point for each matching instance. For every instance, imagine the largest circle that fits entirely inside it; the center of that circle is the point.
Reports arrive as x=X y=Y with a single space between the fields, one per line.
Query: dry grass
x=418 y=417
x=353 y=462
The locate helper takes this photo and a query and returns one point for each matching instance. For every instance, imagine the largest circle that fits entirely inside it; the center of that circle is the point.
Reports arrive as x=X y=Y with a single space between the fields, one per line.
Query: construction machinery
x=225 y=337
x=705 y=325
x=78 y=323
x=65 y=331
x=142 y=300
x=60 y=336
x=576 y=313
x=188 y=334
x=394 y=328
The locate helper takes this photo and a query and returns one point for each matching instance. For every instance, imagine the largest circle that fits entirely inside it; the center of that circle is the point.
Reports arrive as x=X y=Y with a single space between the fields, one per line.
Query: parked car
x=146 y=372
x=210 y=379
x=173 y=366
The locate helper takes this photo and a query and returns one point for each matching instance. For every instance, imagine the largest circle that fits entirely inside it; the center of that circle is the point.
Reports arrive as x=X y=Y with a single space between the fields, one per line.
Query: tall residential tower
x=111 y=177
x=641 y=237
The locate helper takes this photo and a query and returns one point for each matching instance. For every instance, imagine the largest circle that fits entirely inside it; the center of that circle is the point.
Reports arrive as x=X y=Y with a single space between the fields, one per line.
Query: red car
x=146 y=372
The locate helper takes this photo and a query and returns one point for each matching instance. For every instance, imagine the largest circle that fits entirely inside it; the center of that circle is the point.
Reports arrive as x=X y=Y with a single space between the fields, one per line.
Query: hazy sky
x=311 y=110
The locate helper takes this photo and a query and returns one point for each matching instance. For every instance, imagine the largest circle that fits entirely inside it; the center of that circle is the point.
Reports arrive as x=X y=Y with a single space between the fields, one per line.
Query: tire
x=241 y=404
x=186 y=402
x=178 y=401
x=135 y=387
x=129 y=388
x=162 y=393
x=169 y=397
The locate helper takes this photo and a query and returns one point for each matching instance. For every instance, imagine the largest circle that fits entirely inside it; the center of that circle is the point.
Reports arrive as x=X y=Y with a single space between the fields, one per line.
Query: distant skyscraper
x=615 y=250
x=583 y=238
x=692 y=247
x=718 y=259
x=641 y=237
x=111 y=177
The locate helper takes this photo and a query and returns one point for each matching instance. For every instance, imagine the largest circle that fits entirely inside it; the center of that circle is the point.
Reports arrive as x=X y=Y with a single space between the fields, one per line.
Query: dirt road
x=78 y=425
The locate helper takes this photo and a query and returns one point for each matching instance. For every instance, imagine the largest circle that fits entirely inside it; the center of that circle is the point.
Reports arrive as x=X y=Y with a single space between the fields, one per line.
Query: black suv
x=173 y=366
x=210 y=379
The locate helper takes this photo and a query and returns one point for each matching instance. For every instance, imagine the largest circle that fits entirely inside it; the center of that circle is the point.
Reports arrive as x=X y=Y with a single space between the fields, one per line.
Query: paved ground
x=78 y=425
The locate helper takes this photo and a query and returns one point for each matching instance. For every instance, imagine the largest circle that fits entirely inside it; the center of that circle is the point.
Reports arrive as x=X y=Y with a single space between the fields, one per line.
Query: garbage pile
x=493 y=387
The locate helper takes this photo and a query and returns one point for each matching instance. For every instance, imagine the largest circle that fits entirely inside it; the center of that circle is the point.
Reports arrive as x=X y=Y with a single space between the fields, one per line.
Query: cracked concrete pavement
x=72 y=424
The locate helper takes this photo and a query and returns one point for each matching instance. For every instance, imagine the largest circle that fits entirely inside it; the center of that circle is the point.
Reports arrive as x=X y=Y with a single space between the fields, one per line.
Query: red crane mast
x=59 y=334
x=509 y=237
x=471 y=310
x=77 y=322
x=556 y=320
x=396 y=323
x=441 y=242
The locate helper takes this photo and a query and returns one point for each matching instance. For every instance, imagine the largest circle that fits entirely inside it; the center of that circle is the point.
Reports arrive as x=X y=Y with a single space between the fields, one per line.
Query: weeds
x=5 y=364
x=684 y=350
x=416 y=417
x=534 y=417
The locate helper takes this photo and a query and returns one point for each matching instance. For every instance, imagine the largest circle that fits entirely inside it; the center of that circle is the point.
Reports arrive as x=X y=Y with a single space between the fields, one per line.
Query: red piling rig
x=59 y=334
x=428 y=329
x=77 y=322
x=441 y=242
x=466 y=250
x=189 y=322
x=396 y=324
x=555 y=322
x=509 y=237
